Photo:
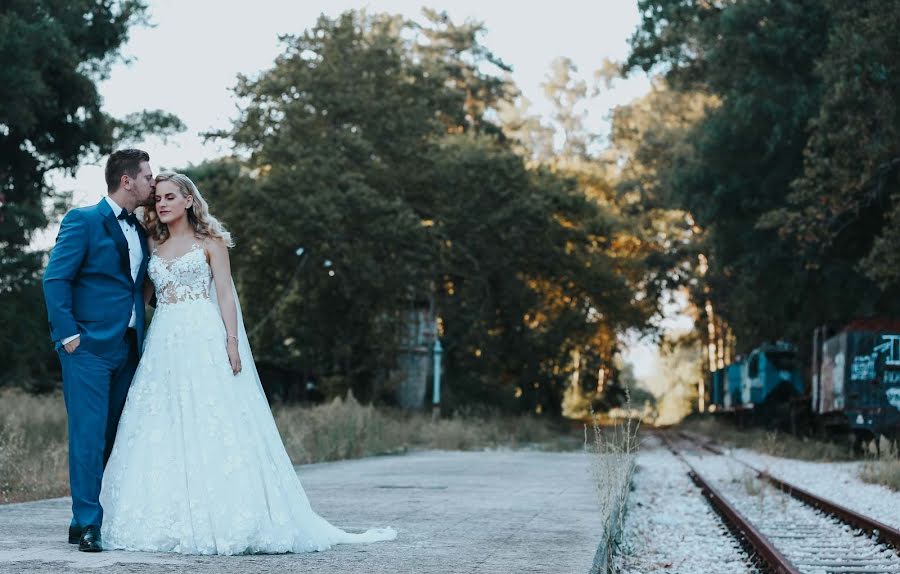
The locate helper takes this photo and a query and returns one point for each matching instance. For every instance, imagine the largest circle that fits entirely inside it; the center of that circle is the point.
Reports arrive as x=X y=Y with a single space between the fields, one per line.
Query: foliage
x=680 y=373
x=649 y=143
x=51 y=119
x=749 y=166
x=370 y=143
x=846 y=203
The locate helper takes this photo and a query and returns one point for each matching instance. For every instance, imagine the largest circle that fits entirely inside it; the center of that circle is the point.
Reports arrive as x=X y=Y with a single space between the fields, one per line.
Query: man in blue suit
x=93 y=286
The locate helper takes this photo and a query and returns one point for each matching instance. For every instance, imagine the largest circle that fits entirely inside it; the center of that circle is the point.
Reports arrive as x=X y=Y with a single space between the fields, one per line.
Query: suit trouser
x=95 y=387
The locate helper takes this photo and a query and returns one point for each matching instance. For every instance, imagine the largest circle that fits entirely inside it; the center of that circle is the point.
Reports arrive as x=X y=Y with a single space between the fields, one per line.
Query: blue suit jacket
x=87 y=284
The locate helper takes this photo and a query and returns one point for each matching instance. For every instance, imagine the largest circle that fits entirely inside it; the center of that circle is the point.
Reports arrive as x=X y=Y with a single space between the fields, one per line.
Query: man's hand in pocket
x=72 y=345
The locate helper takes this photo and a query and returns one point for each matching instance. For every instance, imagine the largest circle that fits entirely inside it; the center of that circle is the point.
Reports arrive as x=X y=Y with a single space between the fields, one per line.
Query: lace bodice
x=184 y=278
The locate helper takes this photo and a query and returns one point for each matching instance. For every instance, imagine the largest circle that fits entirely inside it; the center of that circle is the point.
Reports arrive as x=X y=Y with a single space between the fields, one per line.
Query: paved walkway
x=475 y=512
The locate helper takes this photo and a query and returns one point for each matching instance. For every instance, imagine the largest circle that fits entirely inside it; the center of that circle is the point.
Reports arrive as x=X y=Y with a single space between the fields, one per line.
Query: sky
x=188 y=59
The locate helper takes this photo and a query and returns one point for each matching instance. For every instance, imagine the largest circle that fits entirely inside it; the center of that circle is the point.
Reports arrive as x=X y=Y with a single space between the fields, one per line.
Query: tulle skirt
x=198 y=466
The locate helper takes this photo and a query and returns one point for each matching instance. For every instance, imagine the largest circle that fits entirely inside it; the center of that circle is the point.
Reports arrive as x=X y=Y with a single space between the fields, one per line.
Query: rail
x=878 y=530
x=737 y=522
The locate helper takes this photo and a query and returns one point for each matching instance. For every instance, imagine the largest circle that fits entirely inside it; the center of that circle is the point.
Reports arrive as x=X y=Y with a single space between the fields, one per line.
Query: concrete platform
x=474 y=512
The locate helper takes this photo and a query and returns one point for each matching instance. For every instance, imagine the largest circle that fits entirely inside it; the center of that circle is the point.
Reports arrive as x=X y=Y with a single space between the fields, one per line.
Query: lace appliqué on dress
x=183 y=278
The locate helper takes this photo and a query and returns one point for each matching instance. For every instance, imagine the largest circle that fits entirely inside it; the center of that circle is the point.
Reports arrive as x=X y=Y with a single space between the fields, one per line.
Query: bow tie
x=129 y=218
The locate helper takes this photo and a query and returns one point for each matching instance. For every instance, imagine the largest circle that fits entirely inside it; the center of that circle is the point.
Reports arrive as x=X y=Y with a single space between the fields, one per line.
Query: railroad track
x=789 y=530
x=882 y=532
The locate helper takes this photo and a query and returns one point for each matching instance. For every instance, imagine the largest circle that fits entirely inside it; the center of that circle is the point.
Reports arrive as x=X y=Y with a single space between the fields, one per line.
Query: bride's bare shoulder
x=214 y=247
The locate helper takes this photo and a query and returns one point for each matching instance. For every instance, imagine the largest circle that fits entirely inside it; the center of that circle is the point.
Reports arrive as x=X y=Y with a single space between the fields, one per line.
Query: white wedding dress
x=198 y=466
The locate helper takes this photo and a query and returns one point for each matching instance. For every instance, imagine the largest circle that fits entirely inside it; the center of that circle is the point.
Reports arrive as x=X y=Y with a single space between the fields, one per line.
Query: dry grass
x=614 y=449
x=33 y=449
x=33 y=461
x=753 y=486
x=885 y=472
x=344 y=429
x=770 y=442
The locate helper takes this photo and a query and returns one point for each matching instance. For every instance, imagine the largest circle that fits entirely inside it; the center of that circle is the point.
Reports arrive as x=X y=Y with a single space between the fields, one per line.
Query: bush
x=344 y=428
x=773 y=443
x=884 y=472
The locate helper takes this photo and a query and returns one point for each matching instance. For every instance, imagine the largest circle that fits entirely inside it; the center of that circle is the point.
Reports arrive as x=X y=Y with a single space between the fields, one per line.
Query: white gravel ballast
x=812 y=541
x=838 y=482
x=669 y=526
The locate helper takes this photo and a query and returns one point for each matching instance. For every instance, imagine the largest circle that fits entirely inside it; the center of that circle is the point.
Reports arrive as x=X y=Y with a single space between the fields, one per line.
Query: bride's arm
x=221 y=270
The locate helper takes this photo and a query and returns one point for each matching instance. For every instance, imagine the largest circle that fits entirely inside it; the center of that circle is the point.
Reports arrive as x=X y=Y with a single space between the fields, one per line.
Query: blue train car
x=772 y=373
x=725 y=386
x=734 y=374
x=855 y=383
x=857 y=377
x=717 y=388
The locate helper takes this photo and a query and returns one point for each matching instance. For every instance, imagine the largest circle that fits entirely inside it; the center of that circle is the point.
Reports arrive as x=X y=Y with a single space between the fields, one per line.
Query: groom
x=93 y=286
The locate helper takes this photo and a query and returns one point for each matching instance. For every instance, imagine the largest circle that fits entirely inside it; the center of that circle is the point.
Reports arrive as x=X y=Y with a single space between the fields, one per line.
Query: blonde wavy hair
x=204 y=224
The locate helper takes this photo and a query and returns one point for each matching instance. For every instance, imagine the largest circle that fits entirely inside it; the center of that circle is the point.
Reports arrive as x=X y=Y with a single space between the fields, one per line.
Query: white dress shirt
x=135 y=256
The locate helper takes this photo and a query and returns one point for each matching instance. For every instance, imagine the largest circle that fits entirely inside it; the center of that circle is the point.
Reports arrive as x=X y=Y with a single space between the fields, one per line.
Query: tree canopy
x=374 y=143
x=790 y=172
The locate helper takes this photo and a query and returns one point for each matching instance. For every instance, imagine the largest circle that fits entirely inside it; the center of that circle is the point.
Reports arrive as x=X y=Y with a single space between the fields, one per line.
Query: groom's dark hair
x=122 y=162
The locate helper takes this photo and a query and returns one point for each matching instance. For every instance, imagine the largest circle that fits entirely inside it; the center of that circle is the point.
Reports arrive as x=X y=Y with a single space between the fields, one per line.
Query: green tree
x=529 y=276
x=846 y=203
x=370 y=142
x=567 y=92
x=676 y=383
x=454 y=52
x=757 y=59
x=791 y=178
x=51 y=118
x=335 y=133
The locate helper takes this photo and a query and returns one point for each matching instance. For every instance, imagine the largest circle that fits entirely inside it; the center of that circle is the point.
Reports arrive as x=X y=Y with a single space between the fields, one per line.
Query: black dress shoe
x=90 y=539
x=75 y=534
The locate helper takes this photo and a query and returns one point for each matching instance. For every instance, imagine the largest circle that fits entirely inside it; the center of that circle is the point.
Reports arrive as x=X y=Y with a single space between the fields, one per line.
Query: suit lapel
x=112 y=227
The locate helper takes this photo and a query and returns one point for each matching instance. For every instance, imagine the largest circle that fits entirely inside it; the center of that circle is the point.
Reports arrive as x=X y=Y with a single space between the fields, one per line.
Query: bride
x=198 y=466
